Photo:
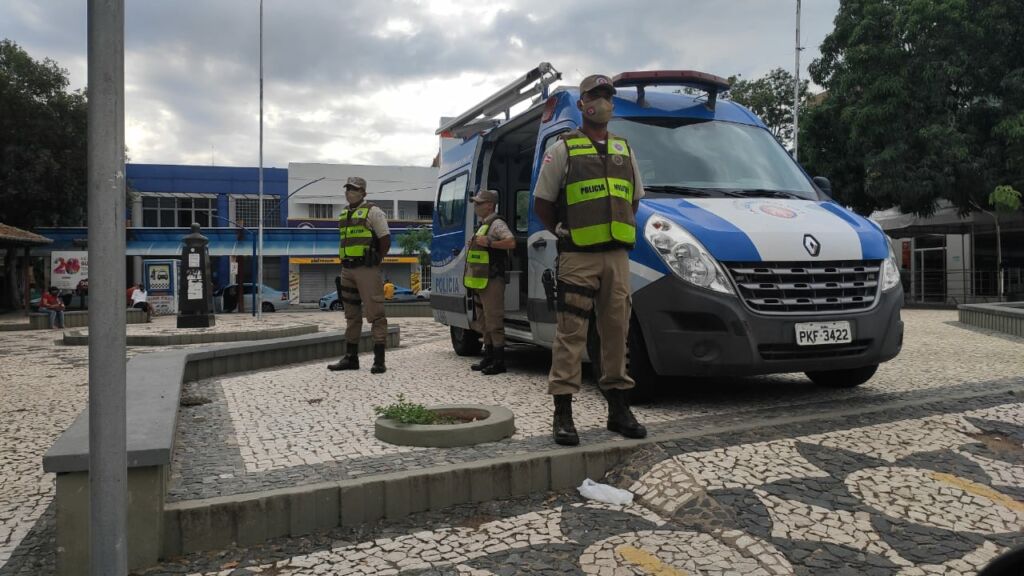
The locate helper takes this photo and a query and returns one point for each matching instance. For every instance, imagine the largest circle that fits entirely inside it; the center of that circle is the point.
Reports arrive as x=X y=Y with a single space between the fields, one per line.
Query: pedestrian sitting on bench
x=54 y=306
x=140 y=301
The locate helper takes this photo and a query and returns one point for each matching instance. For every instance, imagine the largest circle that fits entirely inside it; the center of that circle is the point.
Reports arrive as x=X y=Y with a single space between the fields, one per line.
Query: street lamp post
x=241 y=285
x=259 y=282
x=108 y=457
x=796 y=90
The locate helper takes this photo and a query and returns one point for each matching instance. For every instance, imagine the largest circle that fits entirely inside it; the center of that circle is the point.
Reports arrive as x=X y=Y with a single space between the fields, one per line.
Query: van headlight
x=685 y=256
x=890 y=271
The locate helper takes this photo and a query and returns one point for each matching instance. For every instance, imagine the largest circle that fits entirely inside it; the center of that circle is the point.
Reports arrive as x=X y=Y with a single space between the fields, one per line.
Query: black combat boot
x=620 y=417
x=498 y=365
x=563 y=428
x=350 y=361
x=485 y=361
x=378 y=360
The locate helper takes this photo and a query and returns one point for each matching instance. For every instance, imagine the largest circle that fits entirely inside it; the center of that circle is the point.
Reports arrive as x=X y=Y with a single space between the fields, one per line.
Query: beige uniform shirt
x=555 y=166
x=499 y=230
x=376 y=220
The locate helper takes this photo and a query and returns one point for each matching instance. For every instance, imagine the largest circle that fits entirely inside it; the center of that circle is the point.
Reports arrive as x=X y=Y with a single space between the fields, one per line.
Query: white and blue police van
x=743 y=264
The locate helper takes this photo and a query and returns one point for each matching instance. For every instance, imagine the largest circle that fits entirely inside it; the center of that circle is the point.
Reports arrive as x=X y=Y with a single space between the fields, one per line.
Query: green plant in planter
x=407 y=412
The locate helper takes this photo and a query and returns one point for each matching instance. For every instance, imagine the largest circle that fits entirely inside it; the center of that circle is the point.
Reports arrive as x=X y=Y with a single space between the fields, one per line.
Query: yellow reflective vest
x=598 y=201
x=356 y=238
x=478 y=263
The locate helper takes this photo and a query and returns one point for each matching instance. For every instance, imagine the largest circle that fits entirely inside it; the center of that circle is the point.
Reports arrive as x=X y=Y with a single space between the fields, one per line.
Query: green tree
x=416 y=242
x=1004 y=200
x=42 y=146
x=43 y=136
x=925 y=101
x=771 y=98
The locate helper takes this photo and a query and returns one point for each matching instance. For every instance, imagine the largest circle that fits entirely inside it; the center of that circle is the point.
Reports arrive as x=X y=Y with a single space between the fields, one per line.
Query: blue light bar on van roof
x=690 y=78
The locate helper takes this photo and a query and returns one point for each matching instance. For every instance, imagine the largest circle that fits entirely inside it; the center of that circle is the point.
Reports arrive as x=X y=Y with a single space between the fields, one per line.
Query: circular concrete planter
x=494 y=423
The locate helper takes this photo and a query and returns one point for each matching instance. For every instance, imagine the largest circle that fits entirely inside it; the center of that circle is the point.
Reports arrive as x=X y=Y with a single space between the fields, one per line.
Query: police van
x=743 y=264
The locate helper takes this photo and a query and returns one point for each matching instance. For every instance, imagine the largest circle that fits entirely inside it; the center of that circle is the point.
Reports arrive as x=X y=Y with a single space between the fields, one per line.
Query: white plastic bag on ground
x=605 y=493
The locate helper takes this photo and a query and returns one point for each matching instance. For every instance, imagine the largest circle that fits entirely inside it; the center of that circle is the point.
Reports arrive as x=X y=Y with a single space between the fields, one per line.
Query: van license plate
x=821 y=333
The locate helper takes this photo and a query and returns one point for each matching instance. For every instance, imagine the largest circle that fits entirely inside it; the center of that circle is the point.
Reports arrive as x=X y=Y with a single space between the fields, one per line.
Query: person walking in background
x=54 y=306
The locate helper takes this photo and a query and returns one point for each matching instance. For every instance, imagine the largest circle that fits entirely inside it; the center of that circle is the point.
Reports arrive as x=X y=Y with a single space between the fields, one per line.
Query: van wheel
x=638 y=363
x=465 y=342
x=267 y=307
x=335 y=306
x=843 y=378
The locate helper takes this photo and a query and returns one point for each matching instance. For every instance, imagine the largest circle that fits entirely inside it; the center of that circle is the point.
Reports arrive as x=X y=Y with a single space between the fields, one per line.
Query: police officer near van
x=364 y=240
x=486 y=264
x=587 y=194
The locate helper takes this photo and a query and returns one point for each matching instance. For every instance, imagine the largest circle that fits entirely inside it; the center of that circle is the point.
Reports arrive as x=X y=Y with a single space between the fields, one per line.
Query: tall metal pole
x=108 y=461
x=796 y=90
x=259 y=265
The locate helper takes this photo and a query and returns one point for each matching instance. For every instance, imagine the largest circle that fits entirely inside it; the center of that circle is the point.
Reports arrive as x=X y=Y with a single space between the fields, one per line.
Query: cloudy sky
x=366 y=82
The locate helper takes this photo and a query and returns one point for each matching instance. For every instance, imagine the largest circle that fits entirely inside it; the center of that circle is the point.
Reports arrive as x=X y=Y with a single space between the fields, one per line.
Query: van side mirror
x=823 y=184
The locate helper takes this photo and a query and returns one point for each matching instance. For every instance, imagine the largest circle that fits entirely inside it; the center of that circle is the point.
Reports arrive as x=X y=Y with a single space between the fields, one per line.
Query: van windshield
x=711 y=158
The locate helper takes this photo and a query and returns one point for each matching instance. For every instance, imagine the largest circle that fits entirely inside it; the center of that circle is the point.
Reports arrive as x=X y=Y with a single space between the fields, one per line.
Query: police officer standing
x=587 y=194
x=364 y=240
x=486 y=263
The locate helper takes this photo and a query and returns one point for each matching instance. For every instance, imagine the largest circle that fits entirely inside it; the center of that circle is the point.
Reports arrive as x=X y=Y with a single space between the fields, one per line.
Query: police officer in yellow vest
x=587 y=194
x=364 y=240
x=486 y=263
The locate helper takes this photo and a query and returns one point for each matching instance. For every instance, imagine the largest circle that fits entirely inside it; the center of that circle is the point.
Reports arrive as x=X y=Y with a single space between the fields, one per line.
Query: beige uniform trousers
x=608 y=274
x=362 y=288
x=489 y=312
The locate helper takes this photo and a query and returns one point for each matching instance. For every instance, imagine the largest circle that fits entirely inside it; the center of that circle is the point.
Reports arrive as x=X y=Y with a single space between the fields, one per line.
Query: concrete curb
x=409 y=310
x=79 y=319
x=1005 y=317
x=80 y=339
x=247 y=519
x=10 y=327
x=154 y=388
x=498 y=424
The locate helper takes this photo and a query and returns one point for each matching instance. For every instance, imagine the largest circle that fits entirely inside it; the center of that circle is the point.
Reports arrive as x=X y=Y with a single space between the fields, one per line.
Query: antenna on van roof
x=690 y=78
x=481 y=116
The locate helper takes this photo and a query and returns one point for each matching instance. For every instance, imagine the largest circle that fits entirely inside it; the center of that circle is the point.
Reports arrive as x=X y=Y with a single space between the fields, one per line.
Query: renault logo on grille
x=812 y=245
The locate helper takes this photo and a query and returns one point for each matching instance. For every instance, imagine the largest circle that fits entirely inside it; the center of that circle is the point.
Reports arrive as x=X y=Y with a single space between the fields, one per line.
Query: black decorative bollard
x=195 y=294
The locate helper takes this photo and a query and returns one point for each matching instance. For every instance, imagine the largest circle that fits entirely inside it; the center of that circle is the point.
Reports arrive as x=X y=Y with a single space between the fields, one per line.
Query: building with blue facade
x=164 y=201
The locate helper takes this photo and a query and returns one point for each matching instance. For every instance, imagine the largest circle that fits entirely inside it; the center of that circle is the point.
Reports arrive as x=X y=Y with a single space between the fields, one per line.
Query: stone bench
x=79 y=318
x=1007 y=317
x=154 y=383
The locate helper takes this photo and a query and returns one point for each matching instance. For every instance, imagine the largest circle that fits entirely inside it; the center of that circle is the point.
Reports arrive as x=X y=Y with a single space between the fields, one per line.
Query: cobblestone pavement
x=929 y=485
x=305 y=424
x=913 y=491
x=43 y=386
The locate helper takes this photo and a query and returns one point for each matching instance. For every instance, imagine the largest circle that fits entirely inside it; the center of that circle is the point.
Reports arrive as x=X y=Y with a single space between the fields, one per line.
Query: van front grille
x=806 y=287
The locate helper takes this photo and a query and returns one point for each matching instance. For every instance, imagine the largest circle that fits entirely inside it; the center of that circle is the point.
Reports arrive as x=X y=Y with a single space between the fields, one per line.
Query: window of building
x=247 y=212
x=321 y=210
x=389 y=211
x=171 y=212
x=415 y=210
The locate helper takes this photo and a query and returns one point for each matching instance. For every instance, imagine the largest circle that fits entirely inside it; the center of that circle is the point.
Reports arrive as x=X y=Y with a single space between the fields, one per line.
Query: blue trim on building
x=166 y=242
x=220 y=180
